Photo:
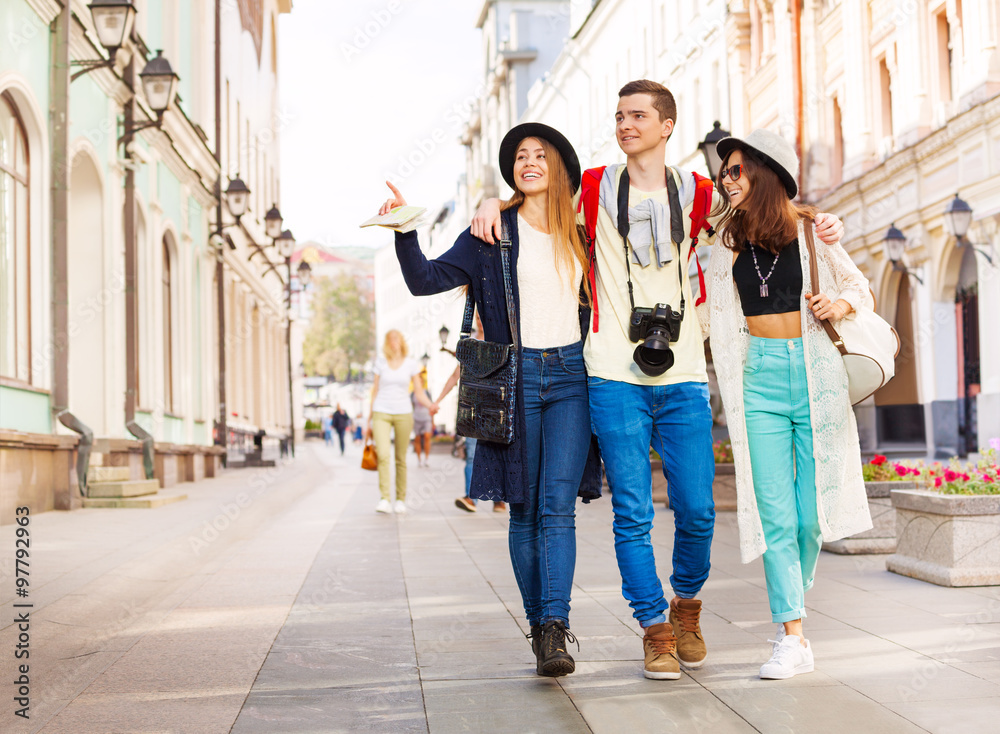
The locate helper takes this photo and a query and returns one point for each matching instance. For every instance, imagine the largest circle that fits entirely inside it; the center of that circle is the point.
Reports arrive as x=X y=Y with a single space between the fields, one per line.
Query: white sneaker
x=778 y=637
x=400 y=507
x=790 y=658
x=383 y=506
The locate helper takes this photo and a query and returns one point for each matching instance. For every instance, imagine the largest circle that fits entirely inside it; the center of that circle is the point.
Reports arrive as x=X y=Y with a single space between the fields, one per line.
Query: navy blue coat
x=499 y=472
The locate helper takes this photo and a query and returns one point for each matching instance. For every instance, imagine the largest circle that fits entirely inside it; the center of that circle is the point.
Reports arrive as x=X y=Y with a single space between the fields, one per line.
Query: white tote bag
x=867 y=343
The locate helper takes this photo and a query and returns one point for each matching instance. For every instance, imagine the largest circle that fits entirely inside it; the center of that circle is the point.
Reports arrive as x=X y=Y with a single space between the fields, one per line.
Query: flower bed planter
x=949 y=540
x=882 y=537
x=723 y=488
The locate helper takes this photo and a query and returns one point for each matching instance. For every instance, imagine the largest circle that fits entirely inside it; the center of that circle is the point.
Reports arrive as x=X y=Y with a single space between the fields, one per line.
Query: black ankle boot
x=535 y=638
x=554 y=660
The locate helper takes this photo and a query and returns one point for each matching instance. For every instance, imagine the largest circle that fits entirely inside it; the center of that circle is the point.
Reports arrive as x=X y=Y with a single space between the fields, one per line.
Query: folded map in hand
x=400 y=219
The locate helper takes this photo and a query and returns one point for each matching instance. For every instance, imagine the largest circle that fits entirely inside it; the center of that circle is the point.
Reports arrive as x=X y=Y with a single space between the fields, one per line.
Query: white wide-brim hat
x=773 y=149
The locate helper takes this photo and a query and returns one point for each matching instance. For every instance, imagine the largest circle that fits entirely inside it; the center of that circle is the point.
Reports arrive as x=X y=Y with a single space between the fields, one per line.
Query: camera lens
x=653 y=356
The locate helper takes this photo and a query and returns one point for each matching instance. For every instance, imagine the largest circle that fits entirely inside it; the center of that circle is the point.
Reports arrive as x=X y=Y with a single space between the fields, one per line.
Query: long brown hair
x=567 y=236
x=769 y=219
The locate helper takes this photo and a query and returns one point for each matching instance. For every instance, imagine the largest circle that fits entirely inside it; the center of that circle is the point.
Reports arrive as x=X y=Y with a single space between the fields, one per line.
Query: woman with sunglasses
x=783 y=383
x=550 y=461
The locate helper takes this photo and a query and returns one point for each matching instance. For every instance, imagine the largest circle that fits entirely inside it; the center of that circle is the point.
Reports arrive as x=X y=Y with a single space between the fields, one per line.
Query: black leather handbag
x=487 y=386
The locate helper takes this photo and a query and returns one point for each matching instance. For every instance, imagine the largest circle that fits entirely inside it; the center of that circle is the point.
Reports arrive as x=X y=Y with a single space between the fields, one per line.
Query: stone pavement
x=277 y=600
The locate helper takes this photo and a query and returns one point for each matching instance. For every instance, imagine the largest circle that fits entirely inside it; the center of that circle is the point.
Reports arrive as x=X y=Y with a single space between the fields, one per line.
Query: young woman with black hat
x=783 y=383
x=550 y=461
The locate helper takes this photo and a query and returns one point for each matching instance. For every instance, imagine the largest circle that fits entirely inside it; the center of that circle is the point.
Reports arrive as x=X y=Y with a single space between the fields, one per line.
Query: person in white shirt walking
x=392 y=413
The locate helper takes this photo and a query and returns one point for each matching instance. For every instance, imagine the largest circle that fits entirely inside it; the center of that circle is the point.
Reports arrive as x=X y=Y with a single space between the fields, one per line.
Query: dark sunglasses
x=734 y=172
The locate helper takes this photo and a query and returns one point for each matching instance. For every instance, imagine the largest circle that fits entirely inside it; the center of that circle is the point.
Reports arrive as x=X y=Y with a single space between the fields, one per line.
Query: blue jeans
x=676 y=420
x=542 y=533
x=470 y=457
x=779 y=433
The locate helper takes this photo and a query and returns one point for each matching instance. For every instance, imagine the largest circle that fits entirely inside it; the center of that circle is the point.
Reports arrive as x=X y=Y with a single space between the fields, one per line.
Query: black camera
x=655 y=328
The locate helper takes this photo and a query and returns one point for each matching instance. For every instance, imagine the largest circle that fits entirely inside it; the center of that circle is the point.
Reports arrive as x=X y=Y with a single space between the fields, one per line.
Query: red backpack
x=590 y=202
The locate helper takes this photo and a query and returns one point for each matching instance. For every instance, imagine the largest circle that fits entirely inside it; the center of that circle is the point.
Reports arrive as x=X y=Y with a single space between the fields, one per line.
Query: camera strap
x=676 y=228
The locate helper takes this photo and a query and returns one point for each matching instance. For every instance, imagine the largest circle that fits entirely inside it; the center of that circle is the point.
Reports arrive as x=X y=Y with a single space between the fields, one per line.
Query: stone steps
x=108 y=474
x=148 y=501
x=118 y=489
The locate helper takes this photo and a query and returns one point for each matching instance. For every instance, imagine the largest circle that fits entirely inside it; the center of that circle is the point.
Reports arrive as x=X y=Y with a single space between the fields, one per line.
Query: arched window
x=15 y=263
x=168 y=331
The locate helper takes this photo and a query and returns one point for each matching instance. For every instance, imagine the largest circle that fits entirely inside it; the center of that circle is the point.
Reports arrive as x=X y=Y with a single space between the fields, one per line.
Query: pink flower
x=987 y=478
x=901 y=470
x=950 y=476
x=965 y=477
x=937 y=482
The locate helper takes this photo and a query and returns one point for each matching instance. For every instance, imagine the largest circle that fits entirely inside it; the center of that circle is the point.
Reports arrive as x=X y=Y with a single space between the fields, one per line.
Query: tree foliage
x=341 y=336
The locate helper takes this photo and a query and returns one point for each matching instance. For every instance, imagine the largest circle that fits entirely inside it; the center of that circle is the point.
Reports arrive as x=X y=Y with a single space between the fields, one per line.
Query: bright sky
x=373 y=89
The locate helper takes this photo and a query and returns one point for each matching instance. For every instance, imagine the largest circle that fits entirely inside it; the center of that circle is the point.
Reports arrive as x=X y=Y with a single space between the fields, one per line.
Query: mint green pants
x=776 y=404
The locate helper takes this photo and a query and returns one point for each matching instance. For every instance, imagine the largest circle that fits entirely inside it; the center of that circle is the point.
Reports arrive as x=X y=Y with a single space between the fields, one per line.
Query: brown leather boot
x=685 y=618
x=660 y=646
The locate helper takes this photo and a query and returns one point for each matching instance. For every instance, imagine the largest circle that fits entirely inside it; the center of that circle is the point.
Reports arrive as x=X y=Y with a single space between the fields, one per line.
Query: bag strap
x=590 y=202
x=814 y=277
x=470 y=304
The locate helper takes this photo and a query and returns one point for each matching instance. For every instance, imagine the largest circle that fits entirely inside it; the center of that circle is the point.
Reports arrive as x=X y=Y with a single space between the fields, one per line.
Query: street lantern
x=957 y=218
x=237 y=197
x=272 y=223
x=113 y=22
x=285 y=244
x=708 y=148
x=443 y=333
x=159 y=83
x=304 y=271
x=425 y=360
x=894 y=244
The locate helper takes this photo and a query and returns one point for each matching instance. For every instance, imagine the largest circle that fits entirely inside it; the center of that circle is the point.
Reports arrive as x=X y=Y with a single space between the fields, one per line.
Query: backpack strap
x=699 y=222
x=590 y=202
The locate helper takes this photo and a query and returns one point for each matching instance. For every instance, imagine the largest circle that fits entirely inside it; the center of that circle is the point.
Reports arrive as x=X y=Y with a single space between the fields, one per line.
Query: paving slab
x=277 y=600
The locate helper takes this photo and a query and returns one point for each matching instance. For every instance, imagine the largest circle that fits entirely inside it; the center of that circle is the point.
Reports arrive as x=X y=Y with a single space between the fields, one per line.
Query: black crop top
x=784 y=285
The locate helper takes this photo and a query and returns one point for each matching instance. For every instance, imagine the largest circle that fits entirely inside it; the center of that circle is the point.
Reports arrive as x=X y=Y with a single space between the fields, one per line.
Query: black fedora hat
x=508 y=149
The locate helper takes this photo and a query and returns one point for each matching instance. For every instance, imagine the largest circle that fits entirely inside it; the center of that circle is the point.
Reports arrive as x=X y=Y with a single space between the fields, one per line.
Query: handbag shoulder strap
x=814 y=277
x=508 y=289
x=470 y=303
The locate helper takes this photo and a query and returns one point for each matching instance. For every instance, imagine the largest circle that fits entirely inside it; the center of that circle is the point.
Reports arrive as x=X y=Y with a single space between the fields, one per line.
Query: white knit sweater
x=840 y=489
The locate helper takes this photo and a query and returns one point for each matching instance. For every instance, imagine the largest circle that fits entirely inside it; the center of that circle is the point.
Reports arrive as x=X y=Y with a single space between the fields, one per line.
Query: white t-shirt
x=550 y=302
x=393 y=395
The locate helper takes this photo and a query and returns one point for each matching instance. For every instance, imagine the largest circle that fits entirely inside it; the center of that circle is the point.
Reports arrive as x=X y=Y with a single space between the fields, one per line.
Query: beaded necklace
x=763 y=279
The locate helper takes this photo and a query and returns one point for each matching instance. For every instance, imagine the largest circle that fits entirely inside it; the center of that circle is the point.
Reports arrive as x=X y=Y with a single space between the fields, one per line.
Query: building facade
x=895 y=109
x=109 y=292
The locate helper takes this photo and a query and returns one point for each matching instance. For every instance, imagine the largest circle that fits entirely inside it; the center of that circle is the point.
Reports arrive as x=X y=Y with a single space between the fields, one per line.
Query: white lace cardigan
x=840 y=489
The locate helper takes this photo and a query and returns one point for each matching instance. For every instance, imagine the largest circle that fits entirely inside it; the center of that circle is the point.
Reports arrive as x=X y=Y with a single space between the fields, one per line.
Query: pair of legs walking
x=399 y=426
x=676 y=420
x=779 y=433
x=542 y=534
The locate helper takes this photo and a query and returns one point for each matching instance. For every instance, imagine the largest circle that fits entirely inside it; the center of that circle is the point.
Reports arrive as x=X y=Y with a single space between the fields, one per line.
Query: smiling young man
x=662 y=402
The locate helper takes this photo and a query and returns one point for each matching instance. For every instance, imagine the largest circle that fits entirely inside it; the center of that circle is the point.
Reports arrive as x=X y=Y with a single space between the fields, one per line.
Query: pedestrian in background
x=783 y=382
x=542 y=472
x=326 y=422
x=392 y=415
x=340 y=421
x=422 y=422
x=358 y=431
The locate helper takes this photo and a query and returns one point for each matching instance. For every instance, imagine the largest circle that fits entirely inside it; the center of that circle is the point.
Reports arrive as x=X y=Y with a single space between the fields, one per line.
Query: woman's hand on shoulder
x=829 y=228
x=391 y=203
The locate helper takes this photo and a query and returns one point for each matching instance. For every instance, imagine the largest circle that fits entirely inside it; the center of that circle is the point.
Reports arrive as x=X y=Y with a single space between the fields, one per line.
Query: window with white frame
x=15 y=261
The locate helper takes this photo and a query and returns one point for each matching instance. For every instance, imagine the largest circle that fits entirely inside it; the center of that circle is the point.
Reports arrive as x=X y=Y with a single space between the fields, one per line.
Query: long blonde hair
x=389 y=352
x=566 y=235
